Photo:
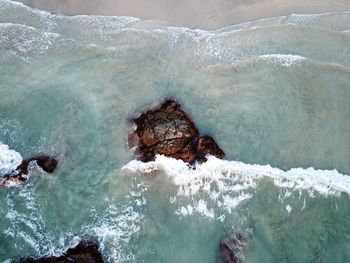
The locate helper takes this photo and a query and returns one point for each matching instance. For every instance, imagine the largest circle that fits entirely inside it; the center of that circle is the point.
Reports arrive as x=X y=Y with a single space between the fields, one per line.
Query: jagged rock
x=20 y=174
x=166 y=130
x=84 y=252
x=169 y=131
x=46 y=162
x=231 y=246
x=206 y=145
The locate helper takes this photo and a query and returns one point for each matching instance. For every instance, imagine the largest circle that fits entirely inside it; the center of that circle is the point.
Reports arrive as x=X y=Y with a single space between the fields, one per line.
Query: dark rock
x=19 y=176
x=84 y=252
x=46 y=162
x=231 y=246
x=206 y=145
x=169 y=131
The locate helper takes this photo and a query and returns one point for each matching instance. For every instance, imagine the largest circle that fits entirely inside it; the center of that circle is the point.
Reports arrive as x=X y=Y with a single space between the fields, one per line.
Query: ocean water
x=274 y=94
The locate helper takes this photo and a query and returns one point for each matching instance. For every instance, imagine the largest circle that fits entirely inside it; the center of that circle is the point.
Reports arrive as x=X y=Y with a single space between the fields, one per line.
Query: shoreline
x=210 y=15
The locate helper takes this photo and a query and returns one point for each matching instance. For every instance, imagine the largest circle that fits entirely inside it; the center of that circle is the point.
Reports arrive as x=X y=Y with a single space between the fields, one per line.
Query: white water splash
x=229 y=183
x=9 y=159
x=326 y=182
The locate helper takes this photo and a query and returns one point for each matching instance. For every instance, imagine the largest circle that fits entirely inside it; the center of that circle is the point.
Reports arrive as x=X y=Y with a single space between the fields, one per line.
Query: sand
x=205 y=14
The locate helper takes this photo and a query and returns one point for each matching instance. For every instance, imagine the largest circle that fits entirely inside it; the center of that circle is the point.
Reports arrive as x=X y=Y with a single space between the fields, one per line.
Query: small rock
x=46 y=162
x=84 y=252
x=20 y=174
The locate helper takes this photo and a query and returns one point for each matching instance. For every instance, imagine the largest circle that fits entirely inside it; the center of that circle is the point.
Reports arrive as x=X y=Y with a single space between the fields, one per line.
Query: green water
x=275 y=94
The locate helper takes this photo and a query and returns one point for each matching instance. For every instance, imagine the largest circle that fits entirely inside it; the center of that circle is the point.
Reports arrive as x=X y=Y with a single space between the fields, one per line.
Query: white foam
x=115 y=231
x=226 y=184
x=322 y=181
x=25 y=41
x=201 y=207
x=9 y=159
x=29 y=216
x=286 y=60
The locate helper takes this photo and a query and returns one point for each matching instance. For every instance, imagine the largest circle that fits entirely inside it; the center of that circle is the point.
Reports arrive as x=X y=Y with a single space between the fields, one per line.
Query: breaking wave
x=229 y=183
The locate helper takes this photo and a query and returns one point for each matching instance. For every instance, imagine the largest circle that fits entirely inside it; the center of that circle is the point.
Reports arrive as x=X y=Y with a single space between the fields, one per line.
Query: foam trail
x=216 y=188
x=244 y=176
x=285 y=60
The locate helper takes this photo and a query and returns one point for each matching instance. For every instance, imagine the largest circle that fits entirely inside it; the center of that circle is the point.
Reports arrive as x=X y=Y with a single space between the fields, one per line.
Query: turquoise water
x=272 y=92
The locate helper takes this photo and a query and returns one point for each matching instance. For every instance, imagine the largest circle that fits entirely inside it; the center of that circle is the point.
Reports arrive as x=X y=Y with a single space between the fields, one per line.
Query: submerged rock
x=231 y=246
x=84 y=252
x=20 y=174
x=169 y=131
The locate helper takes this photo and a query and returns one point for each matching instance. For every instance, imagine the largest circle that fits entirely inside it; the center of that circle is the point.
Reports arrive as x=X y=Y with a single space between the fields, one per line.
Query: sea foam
x=285 y=60
x=9 y=159
x=327 y=182
x=229 y=183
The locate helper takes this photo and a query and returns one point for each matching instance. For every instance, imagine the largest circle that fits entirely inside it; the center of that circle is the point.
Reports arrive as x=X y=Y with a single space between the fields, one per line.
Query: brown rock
x=169 y=131
x=206 y=145
x=166 y=130
x=187 y=154
x=230 y=246
x=84 y=252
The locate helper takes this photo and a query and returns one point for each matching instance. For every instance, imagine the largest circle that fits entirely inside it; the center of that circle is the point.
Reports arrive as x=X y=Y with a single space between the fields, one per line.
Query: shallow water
x=208 y=14
x=272 y=92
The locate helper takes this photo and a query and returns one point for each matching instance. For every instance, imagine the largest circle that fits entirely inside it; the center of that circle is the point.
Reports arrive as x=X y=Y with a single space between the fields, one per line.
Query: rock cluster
x=166 y=130
x=84 y=252
x=169 y=131
x=20 y=174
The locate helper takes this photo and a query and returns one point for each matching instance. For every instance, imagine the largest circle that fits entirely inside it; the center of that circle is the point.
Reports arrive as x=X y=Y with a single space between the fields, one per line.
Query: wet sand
x=205 y=14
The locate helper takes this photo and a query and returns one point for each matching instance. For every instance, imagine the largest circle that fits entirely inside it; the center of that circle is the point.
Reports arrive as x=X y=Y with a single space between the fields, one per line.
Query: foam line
x=244 y=176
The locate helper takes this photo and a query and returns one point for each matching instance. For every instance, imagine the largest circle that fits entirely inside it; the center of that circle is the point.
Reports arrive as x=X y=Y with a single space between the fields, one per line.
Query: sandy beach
x=205 y=14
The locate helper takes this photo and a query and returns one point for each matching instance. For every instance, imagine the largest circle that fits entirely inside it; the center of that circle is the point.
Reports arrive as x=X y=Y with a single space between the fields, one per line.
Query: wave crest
x=229 y=183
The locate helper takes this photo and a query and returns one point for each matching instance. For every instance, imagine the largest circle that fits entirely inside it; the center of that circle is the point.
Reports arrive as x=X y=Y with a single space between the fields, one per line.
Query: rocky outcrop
x=231 y=246
x=84 y=252
x=20 y=174
x=169 y=131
